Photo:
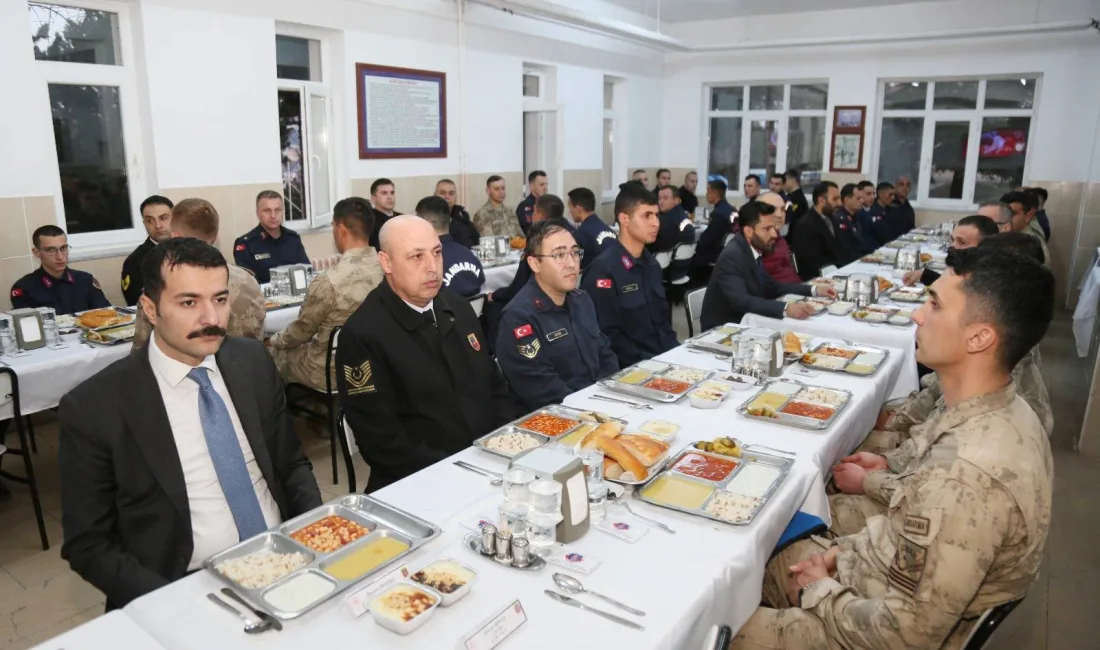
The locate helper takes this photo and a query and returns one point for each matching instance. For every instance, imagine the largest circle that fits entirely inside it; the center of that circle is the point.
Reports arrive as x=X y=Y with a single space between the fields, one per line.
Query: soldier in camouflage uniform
x=967 y=499
x=494 y=218
x=300 y=349
x=197 y=218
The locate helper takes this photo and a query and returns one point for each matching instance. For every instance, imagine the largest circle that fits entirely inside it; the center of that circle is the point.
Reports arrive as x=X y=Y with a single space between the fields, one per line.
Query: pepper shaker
x=488 y=540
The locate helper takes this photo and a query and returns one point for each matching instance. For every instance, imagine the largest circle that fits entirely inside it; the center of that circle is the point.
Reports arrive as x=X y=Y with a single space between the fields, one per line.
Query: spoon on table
x=632 y=404
x=494 y=478
x=250 y=626
x=571 y=585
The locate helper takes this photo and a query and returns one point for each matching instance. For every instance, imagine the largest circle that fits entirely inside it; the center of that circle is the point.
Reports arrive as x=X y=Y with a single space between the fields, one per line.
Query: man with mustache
x=416 y=377
x=183 y=449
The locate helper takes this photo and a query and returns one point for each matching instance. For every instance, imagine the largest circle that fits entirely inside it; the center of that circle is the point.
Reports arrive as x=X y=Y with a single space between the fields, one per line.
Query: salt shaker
x=521 y=556
x=488 y=539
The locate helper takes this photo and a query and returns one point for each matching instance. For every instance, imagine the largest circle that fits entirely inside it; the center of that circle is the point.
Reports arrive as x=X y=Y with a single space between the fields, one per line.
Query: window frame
x=122 y=76
x=933 y=116
x=616 y=114
x=781 y=117
x=306 y=90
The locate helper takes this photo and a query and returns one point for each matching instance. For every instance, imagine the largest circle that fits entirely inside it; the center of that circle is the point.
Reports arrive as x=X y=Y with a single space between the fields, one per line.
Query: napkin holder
x=774 y=341
x=27 y=324
x=298 y=276
x=567 y=469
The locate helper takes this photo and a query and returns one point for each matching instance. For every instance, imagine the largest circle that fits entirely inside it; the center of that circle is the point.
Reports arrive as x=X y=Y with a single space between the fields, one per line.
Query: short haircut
x=1020 y=242
x=631 y=195
x=177 y=251
x=718 y=186
x=640 y=171
x=155 y=199
x=793 y=174
x=664 y=171
x=777 y=175
x=355 y=214
x=675 y=190
x=45 y=231
x=884 y=185
x=983 y=224
x=492 y=179
x=379 y=183
x=196 y=218
x=750 y=214
x=822 y=189
x=691 y=173
x=445 y=181
x=1039 y=192
x=1012 y=292
x=862 y=185
x=1026 y=199
x=539 y=231
x=268 y=194
x=848 y=190
x=434 y=210
x=550 y=206
x=753 y=177
x=583 y=198
x=535 y=174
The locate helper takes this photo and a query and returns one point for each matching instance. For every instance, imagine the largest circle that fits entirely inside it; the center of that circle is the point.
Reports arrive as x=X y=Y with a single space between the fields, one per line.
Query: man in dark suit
x=739 y=284
x=792 y=184
x=721 y=224
x=815 y=243
x=174 y=454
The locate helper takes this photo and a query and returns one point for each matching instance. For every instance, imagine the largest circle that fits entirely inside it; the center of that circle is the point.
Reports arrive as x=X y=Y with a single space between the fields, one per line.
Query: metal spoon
x=622 y=500
x=250 y=626
x=633 y=405
x=571 y=585
x=494 y=478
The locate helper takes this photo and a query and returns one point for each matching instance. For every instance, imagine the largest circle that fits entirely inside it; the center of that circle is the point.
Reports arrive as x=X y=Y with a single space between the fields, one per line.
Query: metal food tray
x=800 y=421
x=638 y=390
x=382 y=519
x=908 y=295
x=870 y=349
x=747 y=457
x=716 y=339
x=106 y=330
x=851 y=308
x=121 y=311
x=542 y=438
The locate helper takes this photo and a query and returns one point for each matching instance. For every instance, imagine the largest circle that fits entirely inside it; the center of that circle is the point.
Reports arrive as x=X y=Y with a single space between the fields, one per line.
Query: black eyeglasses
x=560 y=257
x=54 y=250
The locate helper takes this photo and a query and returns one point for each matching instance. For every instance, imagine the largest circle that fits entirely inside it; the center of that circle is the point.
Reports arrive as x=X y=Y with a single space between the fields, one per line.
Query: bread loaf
x=647 y=450
x=605 y=430
x=629 y=463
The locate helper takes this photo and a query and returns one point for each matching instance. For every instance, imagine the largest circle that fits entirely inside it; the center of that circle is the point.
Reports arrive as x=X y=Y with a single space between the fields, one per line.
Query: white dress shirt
x=430 y=307
x=212 y=525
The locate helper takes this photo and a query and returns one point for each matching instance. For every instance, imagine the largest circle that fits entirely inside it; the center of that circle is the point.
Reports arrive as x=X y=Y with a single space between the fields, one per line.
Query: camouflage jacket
x=963 y=532
x=493 y=221
x=246 y=309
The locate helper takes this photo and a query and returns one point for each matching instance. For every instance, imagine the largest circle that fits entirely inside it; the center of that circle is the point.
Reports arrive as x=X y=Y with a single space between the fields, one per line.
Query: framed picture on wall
x=847 y=152
x=849 y=119
x=402 y=112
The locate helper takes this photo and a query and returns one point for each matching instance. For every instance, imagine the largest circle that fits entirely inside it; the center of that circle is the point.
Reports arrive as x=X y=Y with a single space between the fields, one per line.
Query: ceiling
x=679 y=11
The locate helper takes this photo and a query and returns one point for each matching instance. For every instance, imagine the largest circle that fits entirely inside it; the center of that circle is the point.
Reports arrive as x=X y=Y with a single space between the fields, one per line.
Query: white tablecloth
x=108 y=632
x=499 y=277
x=278 y=320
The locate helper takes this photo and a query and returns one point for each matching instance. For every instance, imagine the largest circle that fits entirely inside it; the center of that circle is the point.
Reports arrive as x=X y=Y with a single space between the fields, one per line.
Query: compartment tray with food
x=796 y=404
x=715 y=340
x=659 y=386
x=866 y=361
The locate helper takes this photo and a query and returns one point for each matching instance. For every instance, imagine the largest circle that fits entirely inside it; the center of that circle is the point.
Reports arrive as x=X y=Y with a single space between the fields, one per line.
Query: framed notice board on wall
x=402 y=112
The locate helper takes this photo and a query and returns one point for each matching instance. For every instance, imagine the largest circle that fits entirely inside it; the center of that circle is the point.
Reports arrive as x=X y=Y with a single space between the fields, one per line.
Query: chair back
x=478 y=303
x=987 y=624
x=333 y=338
x=727 y=239
x=719 y=638
x=348 y=449
x=684 y=252
x=693 y=303
x=664 y=258
x=7 y=388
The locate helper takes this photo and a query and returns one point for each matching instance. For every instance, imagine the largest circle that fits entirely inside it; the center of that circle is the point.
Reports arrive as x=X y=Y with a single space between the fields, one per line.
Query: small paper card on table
x=358 y=601
x=624 y=526
x=805 y=372
x=573 y=560
x=477 y=522
x=497 y=629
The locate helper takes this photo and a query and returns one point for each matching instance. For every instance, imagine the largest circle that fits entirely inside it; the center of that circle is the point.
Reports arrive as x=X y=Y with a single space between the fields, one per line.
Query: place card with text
x=497 y=629
x=624 y=526
x=358 y=601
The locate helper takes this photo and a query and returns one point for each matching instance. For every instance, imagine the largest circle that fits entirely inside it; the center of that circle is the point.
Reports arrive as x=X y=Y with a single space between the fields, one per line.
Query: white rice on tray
x=511 y=443
x=259 y=569
x=732 y=507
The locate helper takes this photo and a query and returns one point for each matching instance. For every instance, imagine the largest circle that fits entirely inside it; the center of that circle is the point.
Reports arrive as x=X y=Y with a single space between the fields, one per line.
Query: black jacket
x=73 y=292
x=798 y=209
x=710 y=241
x=735 y=288
x=814 y=245
x=132 y=281
x=462 y=227
x=414 y=393
x=124 y=502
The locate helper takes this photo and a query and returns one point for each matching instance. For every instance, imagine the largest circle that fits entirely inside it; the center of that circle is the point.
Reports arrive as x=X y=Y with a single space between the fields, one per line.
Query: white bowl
x=397 y=625
x=456 y=595
x=703 y=403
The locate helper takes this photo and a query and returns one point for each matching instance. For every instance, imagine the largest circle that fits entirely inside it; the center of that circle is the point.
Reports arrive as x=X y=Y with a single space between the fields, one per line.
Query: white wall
x=580 y=92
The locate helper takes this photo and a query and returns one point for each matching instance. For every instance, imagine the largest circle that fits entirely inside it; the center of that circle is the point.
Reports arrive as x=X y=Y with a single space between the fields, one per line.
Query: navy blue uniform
x=710 y=242
x=380 y=219
x=74 y=291
x=631 y=304
x=548 y=352
x=462 y=272
x=525 y=212
x=676 y=228
x=849 y=246
x=797 y=209
x=903 y=217
x=1044 y=223
x=133 y=282
x=593 y=236
x=259 y=252
x=688 y=201
x=463 y=229
x=878 y=224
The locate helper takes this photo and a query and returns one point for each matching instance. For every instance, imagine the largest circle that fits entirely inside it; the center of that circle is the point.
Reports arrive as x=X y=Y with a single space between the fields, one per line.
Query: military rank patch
x=627 y=288
x=908 y=566
x=530 y=350
x=627 y=262
x=523 y=330
x=474 y=343
x=603 y=283
x=125 y=282
x=556 y=334
x=358 y=379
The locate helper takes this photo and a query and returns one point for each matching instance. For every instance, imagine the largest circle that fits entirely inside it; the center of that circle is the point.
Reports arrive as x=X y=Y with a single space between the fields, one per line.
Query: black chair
x=693 y=306
x=988 y=623
x=331 y=400
x=347 y=448
x=11 y=391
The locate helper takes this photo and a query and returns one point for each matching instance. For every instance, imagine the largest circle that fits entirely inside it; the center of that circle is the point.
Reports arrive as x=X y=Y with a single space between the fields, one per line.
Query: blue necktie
x=225 y=452
x=760 y=271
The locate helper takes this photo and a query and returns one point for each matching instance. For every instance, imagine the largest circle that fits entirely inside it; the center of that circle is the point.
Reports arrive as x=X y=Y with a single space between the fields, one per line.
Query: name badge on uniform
x=627 y=288
x=262 y=256
x=555 y=335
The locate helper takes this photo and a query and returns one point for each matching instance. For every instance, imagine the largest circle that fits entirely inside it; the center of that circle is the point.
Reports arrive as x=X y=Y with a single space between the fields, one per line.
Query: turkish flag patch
x=240 y=247
x=522 y=331
x=603 y=283
x=16 y=293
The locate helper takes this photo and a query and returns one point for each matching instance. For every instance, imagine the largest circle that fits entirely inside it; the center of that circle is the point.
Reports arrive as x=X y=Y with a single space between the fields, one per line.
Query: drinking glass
x=516 y=483
x=545 y=497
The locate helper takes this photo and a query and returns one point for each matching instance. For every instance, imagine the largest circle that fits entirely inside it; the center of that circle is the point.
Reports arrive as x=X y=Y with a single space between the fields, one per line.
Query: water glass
x=8 y=346
x=597 y=502
x=49 y=327
x=593 y=465
x=542 y=532
x=516 y=483
x=513 y=518
x=545 y=497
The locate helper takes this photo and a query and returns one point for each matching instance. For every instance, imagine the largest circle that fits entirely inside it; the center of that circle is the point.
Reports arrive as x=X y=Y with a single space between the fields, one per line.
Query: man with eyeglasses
x=625 y=282
x=54 y=284
x=549 y=344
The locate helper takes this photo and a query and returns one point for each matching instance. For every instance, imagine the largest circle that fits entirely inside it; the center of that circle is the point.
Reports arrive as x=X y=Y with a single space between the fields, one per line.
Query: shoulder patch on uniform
x=16 y=292
x=240 y=247
x=607 y=234
x=907 y=569
x=627 y=262
x=358 y=379
x=684 y=224
x=126 y=282
x=603 y=283
x=474 y=343
x=530 y=350
x=95 y=283
x=523 y=330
